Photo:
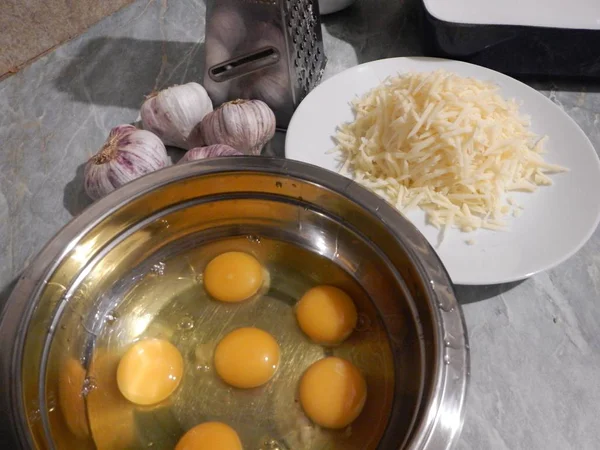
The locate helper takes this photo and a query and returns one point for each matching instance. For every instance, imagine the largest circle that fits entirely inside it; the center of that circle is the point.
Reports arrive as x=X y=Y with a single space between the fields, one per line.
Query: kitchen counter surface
x=535 y=345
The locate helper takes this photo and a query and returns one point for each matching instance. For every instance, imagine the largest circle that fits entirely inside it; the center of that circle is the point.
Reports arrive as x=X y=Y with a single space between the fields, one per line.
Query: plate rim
x=541 y=97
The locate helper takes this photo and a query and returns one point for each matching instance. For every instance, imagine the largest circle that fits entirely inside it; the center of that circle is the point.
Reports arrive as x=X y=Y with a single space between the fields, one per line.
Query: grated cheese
x=449 y=145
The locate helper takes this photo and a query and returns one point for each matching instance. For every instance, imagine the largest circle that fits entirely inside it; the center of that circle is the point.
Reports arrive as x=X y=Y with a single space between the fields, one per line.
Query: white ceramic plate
x=557 y=220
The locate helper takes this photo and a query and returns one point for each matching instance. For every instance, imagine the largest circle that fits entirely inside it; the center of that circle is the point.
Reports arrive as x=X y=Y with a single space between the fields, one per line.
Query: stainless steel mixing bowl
x=411 y=345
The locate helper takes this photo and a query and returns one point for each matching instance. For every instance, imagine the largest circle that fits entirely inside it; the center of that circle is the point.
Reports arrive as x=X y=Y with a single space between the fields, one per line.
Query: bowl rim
x=443 y=419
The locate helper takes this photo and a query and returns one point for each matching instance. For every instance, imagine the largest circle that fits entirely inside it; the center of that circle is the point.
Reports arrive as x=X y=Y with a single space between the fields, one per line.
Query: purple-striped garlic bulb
x=211 y=151
x=246 y=125
x=173 y=113
x=127 y=154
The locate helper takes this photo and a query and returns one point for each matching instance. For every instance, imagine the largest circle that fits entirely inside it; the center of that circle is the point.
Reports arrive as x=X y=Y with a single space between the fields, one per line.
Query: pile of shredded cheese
x=447 y=144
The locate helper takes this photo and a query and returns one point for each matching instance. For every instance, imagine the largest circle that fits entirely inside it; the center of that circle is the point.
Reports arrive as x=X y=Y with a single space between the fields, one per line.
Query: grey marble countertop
x=535 y=345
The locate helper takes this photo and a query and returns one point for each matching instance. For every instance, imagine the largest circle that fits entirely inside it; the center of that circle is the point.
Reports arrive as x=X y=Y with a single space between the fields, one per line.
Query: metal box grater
x=270 y=50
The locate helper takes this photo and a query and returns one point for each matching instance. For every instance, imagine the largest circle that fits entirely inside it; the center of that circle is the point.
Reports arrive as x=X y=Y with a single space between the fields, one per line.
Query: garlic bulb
x=173 y=113
x=127 y=154
x=212 y=151
x=246 y=125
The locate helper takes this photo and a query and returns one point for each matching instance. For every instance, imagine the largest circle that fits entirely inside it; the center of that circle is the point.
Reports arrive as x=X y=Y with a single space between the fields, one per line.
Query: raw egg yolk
x=247 y=357
x=210 y=436
x=333 y=392
x=149 y=371
x=326 y=314
x=233 y=277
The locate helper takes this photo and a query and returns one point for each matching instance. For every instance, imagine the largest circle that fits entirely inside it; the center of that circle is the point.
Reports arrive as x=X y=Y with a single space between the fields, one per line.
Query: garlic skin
x=211 y=151
x=127 y=154
x=174 y=112
x=246 y=125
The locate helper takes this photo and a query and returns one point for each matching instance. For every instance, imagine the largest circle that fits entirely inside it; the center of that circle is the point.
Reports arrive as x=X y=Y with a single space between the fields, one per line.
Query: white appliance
x=520 y=37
